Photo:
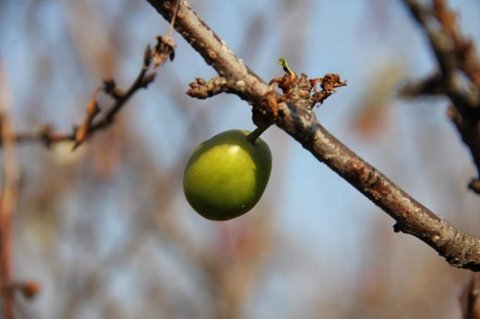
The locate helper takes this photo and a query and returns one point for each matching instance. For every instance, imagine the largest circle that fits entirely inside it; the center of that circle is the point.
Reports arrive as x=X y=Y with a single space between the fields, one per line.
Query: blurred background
x=106 y=231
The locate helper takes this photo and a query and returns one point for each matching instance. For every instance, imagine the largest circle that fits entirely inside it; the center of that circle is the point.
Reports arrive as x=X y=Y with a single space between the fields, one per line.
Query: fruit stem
x=252 y=137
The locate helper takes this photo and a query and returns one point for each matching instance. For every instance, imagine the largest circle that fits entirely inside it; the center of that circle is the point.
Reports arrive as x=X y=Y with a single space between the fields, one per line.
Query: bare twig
x=297 y=119
x=98 y=118
x=95 y=123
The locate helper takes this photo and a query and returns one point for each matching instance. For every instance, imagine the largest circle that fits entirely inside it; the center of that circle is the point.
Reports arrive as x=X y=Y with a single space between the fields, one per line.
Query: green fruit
x=226 y=175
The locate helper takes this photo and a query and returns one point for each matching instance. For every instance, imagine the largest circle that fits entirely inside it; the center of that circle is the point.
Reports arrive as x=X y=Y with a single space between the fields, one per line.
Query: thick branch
x=459 y=249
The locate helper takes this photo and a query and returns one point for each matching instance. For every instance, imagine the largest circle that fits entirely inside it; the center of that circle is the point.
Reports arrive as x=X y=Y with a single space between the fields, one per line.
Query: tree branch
x=96 y=119
x=8 y=201
x=454 y=54
x=296 y=118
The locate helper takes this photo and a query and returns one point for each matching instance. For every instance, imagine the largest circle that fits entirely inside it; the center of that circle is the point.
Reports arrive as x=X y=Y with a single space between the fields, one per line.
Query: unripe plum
x=227 y=174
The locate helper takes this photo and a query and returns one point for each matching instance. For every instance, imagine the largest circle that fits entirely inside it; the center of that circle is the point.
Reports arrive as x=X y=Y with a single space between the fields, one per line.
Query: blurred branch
x=293 y=113
x=454 y=54
x=8 y=199
x=96 y=119
x=120 y=97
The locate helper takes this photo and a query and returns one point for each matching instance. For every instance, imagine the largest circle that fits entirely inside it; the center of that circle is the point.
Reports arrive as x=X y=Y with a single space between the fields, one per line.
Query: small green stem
x=286 y=68
x=252 y=137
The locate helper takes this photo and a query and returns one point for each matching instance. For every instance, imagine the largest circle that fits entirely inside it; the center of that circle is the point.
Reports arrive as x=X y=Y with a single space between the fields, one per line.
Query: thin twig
x=98 y=118
x=93 y=123
x=459 y=249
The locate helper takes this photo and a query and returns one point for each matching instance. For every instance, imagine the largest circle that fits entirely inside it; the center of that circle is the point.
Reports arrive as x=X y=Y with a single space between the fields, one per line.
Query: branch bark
x=298 y=120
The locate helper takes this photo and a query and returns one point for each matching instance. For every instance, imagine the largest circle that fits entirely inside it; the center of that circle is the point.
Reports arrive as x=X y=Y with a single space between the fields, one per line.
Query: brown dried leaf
x=81 y=133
